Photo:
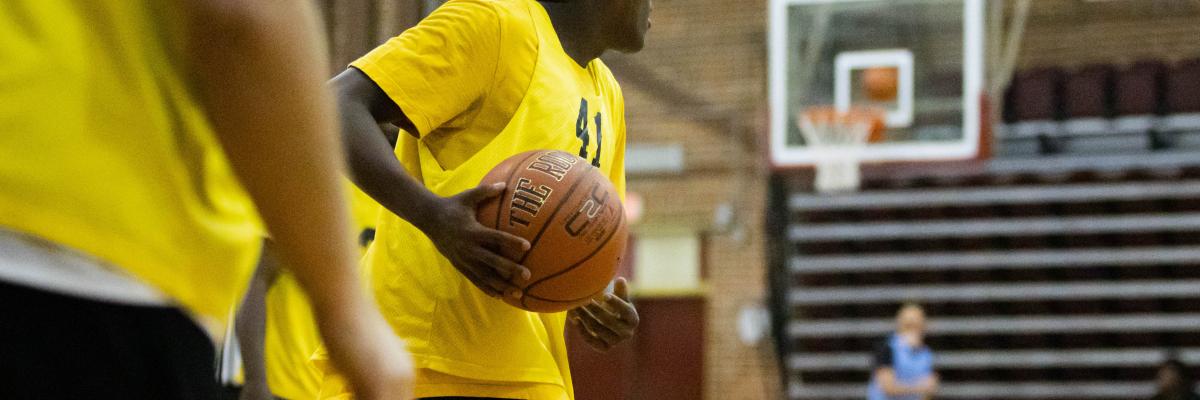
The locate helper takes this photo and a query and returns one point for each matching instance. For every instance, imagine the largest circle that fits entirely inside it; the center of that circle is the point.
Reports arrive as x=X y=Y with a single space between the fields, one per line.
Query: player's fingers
x=622 y=328
x=588 y=337
x=503 y=240
x=595 y=342
x=612 y=314
x=479 y=282
x=622 y=309
x=593 y=325
x=499 y=286
x=508 y=269
x=621 y=289
x=480 y=193
x=492 y=279
x=601 y=310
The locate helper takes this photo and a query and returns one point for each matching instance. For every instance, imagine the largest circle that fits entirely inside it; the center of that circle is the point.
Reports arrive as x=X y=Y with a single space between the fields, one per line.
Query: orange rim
x=830 y=115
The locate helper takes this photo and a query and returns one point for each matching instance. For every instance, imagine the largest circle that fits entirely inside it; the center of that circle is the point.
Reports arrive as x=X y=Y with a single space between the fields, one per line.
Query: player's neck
x=578 y=30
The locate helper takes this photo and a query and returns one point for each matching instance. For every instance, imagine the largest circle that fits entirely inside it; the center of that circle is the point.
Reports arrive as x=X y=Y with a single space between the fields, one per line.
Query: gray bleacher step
x=990 y=390
x=1002 y=325
x=983 y=196
x=997 y=259
x=1019 y=147
x=983 y=227
x=975 y=293
x=994 y=359
x=1067 y=163
x=1125 y=143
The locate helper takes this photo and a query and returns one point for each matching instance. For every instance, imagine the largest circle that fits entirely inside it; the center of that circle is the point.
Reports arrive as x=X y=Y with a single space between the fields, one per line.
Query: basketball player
x=275 y=327
x=137 y=139
x=903 y=367
x=476 y=82
x=276 y=331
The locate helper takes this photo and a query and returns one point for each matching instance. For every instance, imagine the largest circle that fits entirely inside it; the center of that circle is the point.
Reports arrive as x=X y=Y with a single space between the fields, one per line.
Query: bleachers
x=1063 y=279
x=1093 y=109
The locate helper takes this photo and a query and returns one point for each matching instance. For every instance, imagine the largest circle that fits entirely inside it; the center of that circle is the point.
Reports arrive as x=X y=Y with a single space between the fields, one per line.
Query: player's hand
x=370 y=356
x=609 y=319
x=473 y=248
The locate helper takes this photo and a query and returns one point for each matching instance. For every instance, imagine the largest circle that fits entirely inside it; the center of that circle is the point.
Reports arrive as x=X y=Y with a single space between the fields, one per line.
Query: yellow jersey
x=290 y=339
x=106 y=149
x=481 y=80
x=291 y=335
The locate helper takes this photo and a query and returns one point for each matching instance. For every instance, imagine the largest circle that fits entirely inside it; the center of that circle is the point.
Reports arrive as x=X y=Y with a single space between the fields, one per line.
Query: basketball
x=573 y=219
x=880 y=83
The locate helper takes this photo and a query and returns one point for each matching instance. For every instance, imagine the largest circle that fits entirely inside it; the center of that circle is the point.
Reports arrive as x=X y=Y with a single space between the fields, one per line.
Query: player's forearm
x=373 y=166
x=259 y=68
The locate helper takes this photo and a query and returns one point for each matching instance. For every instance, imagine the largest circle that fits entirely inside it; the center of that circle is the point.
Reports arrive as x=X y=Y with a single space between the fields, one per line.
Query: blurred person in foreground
x=903 y=364
x=139 y=149
x=1174 y=382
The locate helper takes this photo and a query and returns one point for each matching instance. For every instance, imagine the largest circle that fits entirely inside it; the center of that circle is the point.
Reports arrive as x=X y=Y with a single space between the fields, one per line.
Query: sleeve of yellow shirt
x=617 y=171
x=437 y=69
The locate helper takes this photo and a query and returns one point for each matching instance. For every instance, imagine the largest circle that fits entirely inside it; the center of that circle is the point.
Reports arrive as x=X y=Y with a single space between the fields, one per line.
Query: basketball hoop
x=837 y=139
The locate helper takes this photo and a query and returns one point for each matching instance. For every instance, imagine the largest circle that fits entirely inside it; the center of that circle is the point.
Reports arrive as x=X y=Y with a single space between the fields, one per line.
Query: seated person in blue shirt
x=903 y=365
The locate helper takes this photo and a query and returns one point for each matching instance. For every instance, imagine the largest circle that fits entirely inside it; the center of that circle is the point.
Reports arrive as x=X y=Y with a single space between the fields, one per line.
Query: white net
x=837 y=139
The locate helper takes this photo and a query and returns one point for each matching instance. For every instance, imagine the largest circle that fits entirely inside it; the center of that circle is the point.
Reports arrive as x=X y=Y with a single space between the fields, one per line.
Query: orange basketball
x=880 y=83
x=573 y=219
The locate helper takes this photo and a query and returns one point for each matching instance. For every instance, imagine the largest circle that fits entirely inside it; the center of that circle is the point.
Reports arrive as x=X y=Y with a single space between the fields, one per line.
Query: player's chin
x=633 y=45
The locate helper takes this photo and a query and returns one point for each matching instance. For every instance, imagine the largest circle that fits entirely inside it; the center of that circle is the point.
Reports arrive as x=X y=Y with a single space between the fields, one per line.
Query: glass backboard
x=920 y=62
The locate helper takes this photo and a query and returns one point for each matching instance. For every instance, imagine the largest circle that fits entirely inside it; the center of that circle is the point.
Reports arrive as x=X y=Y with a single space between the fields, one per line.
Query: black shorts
x=55 y=346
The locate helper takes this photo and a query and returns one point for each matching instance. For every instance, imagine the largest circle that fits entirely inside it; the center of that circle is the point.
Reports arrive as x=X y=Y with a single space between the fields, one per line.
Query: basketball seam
x=546 y=224
x=620 y=222
x=508 y=186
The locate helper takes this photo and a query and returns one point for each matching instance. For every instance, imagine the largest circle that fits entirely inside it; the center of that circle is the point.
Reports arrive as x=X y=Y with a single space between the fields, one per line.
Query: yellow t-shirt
x=291 y=332
x=291 y=338
x=106 y=149
x=482 y=80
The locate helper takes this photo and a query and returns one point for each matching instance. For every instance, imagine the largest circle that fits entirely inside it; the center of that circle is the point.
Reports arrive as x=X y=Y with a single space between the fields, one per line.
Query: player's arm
x=258 y=68
x=422 y=80
x=449 y=222
x=251 y=327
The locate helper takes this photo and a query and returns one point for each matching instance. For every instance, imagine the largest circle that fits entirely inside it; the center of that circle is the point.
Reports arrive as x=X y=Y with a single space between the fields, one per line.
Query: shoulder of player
x=514 y=25
x=513 y=16
x=607 y=80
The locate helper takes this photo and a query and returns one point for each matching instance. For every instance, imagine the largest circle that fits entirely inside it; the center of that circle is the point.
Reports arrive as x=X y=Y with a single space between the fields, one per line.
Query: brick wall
x=353 y=27
x=1070 y=33
x=701 y=82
